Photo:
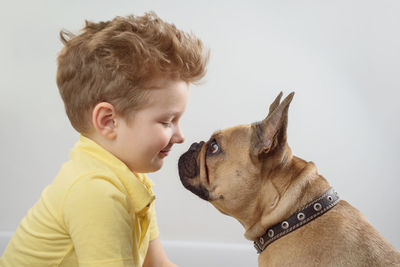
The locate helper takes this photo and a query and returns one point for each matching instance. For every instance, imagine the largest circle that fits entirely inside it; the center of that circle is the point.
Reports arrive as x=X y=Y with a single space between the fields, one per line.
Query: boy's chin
x=153 y=166
x=156 y=165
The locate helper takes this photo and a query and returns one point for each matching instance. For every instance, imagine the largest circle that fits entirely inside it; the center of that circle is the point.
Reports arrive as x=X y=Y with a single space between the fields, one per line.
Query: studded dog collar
x=308 y=213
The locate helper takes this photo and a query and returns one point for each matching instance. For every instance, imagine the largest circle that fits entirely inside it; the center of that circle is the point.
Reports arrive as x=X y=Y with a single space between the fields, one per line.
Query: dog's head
x=233 y=166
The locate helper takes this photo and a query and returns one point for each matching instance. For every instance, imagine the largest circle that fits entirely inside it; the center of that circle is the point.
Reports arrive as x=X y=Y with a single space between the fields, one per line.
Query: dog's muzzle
x=187 y=164
x=189 y=170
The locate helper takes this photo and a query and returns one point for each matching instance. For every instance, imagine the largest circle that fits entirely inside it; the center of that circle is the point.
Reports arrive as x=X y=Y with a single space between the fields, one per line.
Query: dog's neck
x=298 y=184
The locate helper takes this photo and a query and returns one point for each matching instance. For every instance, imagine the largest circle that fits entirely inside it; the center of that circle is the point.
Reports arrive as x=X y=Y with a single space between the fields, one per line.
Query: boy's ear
x=103 y=119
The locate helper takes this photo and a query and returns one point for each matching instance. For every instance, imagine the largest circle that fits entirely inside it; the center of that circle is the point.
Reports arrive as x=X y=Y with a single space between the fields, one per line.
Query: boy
x=124 y=84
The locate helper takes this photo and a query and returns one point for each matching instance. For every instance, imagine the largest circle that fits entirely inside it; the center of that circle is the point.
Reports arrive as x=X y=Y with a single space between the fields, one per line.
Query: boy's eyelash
x=166 y=123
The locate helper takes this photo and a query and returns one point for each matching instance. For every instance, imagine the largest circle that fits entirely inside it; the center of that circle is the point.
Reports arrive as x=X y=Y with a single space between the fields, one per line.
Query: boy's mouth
x=165 y=151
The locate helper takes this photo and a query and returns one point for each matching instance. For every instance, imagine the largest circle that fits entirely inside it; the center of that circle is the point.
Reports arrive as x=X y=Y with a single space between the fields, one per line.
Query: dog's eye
x=214 y=147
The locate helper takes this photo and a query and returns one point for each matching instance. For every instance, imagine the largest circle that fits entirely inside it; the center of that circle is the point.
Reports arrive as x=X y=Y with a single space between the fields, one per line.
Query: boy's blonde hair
x=112 y=61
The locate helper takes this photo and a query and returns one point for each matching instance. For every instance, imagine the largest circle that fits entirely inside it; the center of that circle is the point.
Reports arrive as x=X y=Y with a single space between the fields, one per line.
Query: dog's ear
x=275 y=104
x=271 y=132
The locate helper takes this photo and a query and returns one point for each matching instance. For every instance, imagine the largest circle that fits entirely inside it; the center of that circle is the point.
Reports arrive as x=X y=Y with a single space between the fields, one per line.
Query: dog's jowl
x=289 y=210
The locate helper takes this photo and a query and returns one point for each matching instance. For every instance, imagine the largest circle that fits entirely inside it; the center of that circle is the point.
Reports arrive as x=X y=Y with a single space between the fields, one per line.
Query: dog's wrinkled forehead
x=233 y=136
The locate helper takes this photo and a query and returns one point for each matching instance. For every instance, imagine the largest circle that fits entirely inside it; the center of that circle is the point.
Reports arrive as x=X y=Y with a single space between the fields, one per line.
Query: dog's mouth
x=189 y=169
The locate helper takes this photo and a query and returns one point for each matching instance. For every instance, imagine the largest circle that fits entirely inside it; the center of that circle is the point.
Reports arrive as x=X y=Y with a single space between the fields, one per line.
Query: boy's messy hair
x=112 y=61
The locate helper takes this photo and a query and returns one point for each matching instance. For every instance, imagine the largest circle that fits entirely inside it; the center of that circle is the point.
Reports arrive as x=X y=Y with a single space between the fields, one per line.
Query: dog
x=289 y=210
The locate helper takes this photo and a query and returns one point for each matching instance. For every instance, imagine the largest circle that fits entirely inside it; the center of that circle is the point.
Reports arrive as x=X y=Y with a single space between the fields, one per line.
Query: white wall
x=340 y=57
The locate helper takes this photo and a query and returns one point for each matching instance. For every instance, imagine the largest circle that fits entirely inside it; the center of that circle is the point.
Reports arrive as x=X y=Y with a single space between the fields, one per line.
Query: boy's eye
x=167 y=124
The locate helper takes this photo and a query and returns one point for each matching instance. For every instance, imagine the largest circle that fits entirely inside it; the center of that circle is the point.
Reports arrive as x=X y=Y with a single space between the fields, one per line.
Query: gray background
x=340 y=57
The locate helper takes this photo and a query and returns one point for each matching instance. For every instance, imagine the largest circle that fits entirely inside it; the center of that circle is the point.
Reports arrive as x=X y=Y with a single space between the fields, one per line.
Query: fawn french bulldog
x=289 y=210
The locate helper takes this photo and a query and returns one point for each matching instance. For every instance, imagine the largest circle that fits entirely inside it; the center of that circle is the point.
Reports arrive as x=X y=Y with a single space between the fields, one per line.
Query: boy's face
x=144 y=141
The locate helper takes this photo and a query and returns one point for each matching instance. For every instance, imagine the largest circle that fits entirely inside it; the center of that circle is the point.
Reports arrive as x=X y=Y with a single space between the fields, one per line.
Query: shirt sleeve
x=96 y=215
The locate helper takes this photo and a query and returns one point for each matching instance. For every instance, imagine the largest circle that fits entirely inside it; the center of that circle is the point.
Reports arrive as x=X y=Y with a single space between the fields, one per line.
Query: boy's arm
x=156 y=256
x=98 y=222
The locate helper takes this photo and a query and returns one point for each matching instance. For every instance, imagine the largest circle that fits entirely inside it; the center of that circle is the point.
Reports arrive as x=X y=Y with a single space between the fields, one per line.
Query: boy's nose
x=178 y=137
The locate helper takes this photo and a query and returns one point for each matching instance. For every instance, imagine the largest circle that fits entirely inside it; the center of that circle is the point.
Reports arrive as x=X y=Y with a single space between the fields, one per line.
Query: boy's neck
x=101 y=141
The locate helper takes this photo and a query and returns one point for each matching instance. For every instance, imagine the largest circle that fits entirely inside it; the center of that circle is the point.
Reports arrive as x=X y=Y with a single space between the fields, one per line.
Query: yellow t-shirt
x=95 y=213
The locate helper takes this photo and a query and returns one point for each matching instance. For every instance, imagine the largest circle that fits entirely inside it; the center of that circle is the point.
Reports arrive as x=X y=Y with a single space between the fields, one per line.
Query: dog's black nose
x=196 y=146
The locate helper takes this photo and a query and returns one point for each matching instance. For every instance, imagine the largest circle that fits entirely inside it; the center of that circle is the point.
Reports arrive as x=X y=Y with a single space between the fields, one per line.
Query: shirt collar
x=137 y=185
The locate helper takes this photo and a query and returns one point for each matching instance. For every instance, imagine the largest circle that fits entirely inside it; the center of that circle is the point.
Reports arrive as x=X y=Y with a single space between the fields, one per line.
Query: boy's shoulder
x=84 y=166
x=90 y=168
x=74 y=172
x=82 y=174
